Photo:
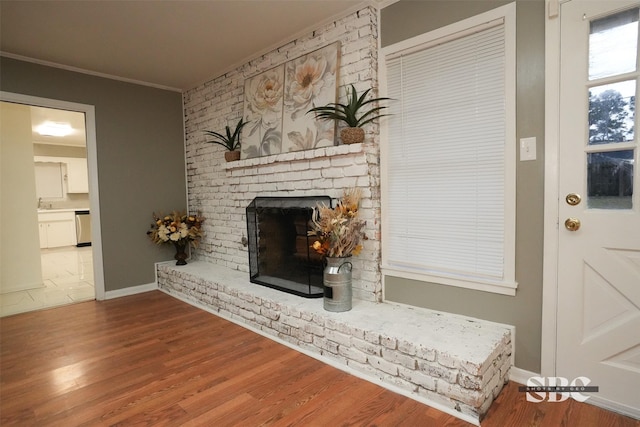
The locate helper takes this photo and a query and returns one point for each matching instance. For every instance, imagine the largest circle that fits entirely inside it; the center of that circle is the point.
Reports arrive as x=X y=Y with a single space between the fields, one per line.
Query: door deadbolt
x=572 y=224
x=573 y=199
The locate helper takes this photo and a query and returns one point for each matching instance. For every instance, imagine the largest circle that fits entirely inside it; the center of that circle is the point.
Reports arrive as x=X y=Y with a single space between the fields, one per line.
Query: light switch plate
x=527 y=149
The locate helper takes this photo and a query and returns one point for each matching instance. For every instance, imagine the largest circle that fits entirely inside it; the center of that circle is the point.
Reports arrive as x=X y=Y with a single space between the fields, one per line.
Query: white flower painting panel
x=263 y=106
x=310 y=81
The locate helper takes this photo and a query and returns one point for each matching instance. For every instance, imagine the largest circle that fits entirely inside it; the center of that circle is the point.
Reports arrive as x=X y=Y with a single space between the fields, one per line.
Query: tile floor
x=68 y=278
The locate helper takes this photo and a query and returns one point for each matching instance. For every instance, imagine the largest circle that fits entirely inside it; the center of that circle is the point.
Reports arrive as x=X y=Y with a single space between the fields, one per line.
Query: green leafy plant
x=352 y=112
x=230 y=141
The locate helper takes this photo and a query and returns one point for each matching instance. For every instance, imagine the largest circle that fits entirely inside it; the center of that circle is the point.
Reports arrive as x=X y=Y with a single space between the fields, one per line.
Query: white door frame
x=92 y=163
x=551 y=190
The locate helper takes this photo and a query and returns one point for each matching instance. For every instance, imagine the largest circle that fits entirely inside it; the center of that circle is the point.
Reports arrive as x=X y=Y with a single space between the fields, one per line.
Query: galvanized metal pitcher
x=337 y=284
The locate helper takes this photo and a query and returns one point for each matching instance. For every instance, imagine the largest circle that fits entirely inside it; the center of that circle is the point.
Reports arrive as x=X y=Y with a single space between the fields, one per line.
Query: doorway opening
x=77 y=172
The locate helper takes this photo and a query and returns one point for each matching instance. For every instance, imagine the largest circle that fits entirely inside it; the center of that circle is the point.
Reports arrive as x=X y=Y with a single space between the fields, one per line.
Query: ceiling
x=42 y=115
x=175 y=44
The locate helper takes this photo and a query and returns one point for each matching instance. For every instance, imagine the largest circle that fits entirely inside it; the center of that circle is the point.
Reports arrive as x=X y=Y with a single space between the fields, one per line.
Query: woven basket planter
x=352 y=135
x=231 y=156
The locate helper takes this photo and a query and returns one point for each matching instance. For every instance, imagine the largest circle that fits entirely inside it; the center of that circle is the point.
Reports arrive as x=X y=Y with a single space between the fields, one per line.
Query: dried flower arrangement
x=338 y=231
x=177 y=228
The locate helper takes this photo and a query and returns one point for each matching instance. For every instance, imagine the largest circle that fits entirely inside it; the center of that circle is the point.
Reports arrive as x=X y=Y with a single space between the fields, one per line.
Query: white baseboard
x=609 y=405
x=521 y=376
x=131 y=291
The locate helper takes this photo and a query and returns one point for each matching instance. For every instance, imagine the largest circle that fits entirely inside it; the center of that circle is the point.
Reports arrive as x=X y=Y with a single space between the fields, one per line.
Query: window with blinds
x=449 y=157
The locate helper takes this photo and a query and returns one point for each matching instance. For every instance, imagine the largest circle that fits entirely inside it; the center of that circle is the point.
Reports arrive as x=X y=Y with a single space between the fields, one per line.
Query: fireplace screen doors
x=280 y=253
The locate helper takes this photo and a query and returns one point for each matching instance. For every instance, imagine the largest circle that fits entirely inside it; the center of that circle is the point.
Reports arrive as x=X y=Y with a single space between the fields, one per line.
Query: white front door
x=598 y=330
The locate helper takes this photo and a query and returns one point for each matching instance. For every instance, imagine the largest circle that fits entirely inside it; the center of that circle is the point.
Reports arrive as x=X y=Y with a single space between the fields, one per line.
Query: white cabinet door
x=57 y=229
x=49 y=180
x=77 y=176
x=60 y=233
x=43 y=235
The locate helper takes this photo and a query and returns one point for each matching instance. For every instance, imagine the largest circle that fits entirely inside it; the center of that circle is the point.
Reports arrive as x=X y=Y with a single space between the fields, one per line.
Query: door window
x=611 y=152
x=613 y=45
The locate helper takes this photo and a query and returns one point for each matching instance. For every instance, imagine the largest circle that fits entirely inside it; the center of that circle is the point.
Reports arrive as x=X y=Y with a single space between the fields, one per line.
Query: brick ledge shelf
x=334 y=150
x=453 y=363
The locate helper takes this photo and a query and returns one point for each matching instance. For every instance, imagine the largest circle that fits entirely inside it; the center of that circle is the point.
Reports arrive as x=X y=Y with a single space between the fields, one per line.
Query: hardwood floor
x=150 y=359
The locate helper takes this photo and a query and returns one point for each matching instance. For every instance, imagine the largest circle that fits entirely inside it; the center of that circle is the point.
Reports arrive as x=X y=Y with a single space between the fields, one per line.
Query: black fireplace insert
x=280 y=253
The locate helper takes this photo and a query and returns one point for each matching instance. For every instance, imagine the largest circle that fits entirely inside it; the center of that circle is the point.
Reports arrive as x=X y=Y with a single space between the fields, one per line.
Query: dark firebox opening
x=280 y=253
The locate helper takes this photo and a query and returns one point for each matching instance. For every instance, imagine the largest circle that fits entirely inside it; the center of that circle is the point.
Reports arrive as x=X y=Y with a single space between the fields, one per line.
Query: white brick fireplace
x=456 y=364
x=222 y=191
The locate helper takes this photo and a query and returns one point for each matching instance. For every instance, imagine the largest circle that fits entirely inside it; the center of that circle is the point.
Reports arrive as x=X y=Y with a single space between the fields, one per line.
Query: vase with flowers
x=338 y=235
x=178 y=229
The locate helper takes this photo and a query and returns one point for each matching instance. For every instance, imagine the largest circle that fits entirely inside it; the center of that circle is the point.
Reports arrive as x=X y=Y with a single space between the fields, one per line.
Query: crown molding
x=83 y=71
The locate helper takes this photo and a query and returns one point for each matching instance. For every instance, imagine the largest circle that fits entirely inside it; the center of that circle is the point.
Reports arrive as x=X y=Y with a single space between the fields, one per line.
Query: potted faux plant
x=230 y=141
x=353 y=113
x=337 y=235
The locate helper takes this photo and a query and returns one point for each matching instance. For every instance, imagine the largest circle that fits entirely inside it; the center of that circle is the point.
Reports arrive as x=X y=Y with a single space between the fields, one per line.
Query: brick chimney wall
x=221 y=191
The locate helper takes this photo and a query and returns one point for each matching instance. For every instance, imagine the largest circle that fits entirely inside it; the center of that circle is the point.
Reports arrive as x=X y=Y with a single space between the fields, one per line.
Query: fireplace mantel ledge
x=336 y=150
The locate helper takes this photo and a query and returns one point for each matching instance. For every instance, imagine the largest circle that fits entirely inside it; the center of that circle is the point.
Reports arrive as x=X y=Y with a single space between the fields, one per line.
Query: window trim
x=508 y=285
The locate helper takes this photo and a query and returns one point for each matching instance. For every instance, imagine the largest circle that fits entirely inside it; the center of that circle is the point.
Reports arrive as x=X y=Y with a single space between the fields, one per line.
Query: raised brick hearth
x=454 y=363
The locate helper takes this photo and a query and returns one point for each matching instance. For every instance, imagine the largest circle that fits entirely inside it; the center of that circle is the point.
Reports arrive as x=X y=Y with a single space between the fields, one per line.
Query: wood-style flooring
x=152 y=360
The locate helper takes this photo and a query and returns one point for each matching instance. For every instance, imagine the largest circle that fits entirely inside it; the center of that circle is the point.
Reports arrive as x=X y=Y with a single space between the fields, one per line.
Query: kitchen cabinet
x=57 y=229
x=77 y=176
x=49 y=180
x=73 y=170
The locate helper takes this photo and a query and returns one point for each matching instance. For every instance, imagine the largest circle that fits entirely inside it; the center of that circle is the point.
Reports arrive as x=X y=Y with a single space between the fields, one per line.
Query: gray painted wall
x=406 y=19
x=140 y=152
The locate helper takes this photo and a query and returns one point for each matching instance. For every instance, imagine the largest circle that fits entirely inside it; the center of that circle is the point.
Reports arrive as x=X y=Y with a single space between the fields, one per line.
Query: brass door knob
x=572 y=224
x=573 y=199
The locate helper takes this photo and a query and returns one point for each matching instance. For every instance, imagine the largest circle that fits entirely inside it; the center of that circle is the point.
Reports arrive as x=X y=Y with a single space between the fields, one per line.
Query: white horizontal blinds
x=447 y=157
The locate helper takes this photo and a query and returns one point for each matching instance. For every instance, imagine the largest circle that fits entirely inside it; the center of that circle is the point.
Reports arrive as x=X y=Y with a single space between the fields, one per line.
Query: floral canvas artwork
x=310 y=81
x=263 y=105
x=276 y=104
